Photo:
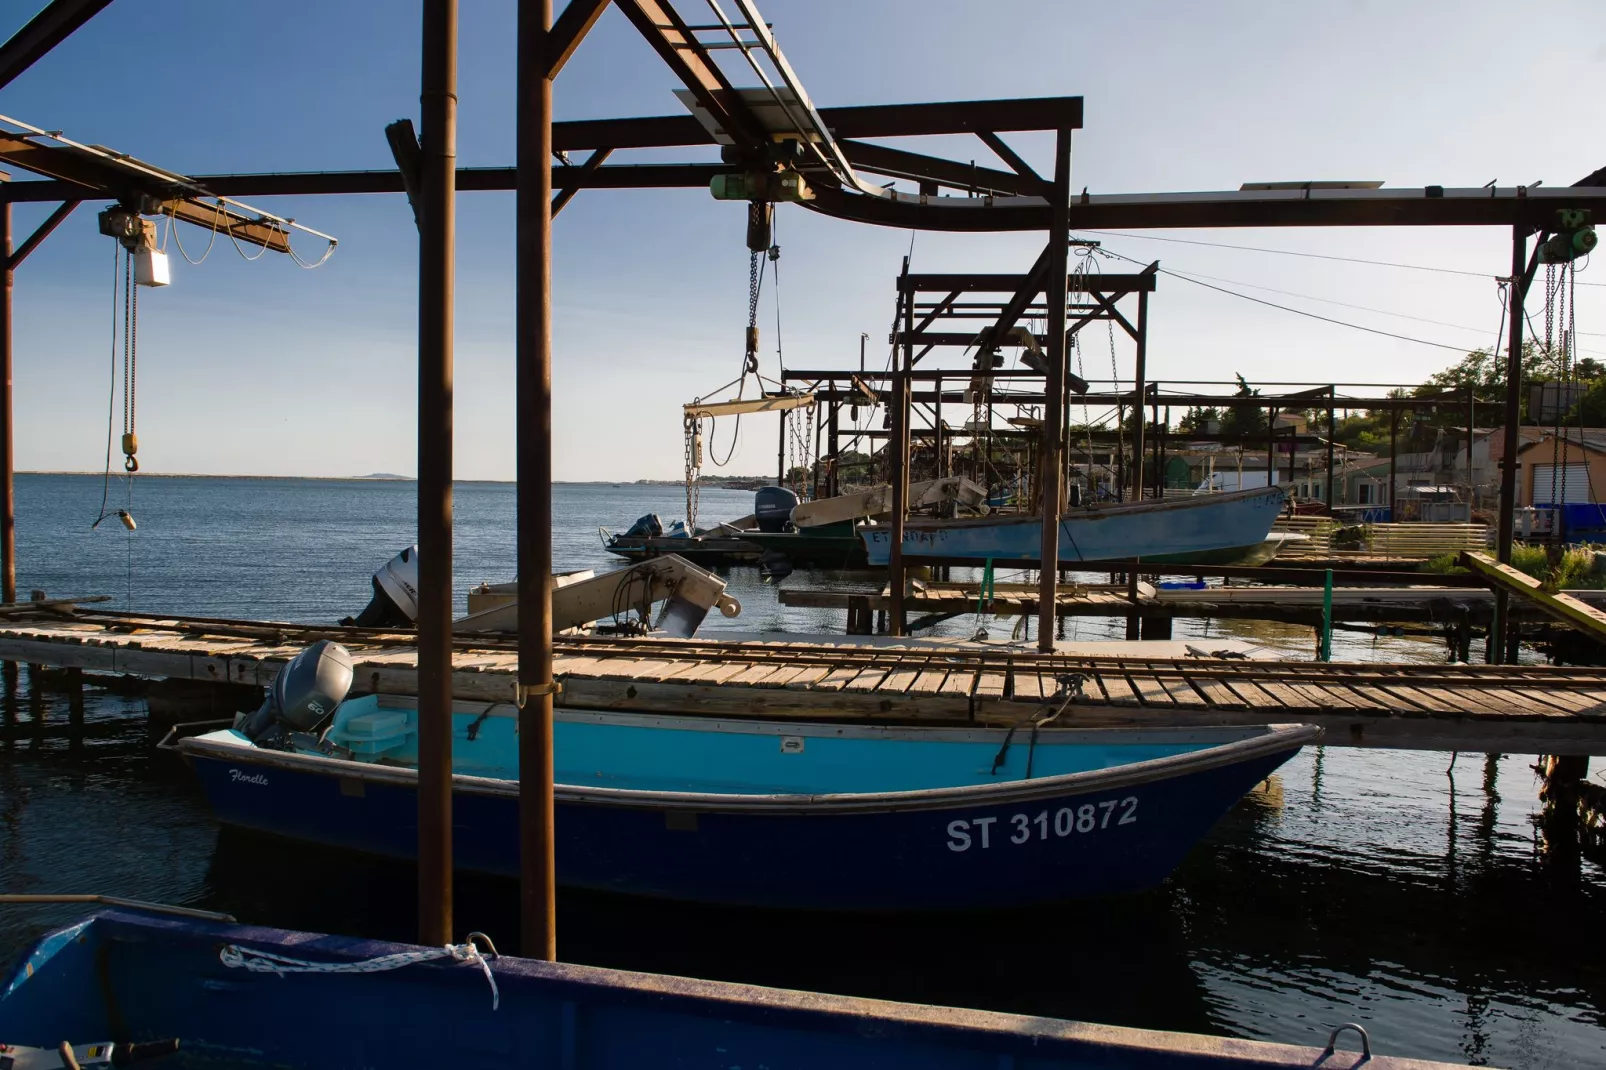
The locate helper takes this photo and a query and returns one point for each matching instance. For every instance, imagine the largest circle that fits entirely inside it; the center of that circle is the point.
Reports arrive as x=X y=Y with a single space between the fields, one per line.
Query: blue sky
x=263 y=368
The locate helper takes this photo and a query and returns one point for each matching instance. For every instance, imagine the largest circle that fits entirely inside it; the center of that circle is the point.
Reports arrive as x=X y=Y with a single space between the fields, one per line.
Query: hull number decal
x=984 y=832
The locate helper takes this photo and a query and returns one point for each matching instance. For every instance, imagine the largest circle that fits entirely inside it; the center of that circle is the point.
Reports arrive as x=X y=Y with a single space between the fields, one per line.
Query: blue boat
x=1175 y=531
x=759 y=813
x=124 y=978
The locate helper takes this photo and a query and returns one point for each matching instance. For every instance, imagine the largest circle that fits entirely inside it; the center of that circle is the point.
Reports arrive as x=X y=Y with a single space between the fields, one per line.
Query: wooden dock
x=1510 y=709
x=1426 y=603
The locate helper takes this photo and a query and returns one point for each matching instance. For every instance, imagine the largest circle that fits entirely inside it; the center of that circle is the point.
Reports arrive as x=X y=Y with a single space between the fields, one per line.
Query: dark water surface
x=1387 y=888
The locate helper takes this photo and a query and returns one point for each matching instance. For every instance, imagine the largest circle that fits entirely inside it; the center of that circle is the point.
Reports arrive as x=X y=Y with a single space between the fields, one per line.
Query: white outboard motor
x=395 y=600
x=302 y=696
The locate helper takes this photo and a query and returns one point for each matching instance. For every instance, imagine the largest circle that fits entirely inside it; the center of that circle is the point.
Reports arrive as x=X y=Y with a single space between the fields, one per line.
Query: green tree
x=1198 y=421
x=1244 y=420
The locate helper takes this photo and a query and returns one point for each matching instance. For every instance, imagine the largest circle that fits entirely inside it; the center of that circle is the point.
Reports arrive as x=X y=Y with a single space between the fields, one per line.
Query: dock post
x=1394 y=456
x=437 y=223
x=540 y=56
x=8 y=501
x=1051 y=457
x=1508 y=463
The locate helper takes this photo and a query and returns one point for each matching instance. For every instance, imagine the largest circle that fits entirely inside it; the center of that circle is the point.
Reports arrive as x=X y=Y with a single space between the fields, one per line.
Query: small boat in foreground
x=758 y=813
x=1174 y=531
x=129 y=977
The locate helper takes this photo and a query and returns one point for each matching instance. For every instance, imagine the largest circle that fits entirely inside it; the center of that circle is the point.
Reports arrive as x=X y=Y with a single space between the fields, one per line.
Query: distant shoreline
x=385 y=478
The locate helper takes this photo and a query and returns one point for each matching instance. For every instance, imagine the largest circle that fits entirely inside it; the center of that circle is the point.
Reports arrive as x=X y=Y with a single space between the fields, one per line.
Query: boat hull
x=1056 y=838
x=1182 y=531
x=121 y=975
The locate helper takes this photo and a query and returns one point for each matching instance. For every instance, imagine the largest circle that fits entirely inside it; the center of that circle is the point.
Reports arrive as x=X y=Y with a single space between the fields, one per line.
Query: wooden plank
x=1563 y=607
x=1150 y=690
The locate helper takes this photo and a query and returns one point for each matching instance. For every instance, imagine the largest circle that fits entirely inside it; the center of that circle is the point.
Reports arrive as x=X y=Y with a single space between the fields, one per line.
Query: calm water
x=1390 y=889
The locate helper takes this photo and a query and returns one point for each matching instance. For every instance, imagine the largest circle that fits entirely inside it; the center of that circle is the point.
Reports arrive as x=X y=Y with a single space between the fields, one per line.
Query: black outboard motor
x=395 y=600
x=647 y=527
x=302 y=697
x=772 y=507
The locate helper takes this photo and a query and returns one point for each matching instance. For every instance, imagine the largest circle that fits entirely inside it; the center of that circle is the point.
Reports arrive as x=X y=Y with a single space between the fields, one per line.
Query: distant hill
x=384 y=475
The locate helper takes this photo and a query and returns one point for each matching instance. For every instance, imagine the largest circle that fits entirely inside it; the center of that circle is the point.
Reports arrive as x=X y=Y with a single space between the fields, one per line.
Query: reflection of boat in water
x=1176 y=531
x=764 y=814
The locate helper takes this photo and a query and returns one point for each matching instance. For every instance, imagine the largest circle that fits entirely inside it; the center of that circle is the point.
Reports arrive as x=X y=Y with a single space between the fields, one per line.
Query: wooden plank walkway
x=1511 y=709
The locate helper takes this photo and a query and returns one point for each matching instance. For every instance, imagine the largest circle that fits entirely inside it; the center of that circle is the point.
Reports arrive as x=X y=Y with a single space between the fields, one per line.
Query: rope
x=254 y=961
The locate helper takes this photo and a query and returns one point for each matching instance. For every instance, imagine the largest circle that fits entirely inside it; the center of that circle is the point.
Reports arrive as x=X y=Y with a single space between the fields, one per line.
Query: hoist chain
x=754 y=282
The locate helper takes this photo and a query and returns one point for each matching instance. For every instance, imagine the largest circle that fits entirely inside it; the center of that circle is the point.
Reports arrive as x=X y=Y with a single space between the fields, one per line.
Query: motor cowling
x=395 y=599
x=303 y=696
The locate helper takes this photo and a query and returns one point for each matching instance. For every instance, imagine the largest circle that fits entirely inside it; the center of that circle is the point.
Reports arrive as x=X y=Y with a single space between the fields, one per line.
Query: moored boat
x=808 y=816
x=1173 y=531
x=220 y=994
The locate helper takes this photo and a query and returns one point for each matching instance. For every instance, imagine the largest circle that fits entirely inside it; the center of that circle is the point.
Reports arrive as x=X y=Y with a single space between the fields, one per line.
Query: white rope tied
x=236 y=957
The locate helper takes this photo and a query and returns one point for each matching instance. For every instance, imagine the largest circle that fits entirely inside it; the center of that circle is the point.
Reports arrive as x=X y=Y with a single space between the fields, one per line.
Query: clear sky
x=263 y=368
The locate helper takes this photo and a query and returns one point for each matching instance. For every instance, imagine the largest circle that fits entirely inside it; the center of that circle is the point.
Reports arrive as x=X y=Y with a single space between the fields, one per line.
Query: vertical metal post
x=1271 y=445
x=1472 y=416
x=898 y=458
x=1508 y=464
x=1165 y=433
x=814 y=462
x=1051 y=456
x=8 y=500
x=533 y=451
x=436 y=276
x=1141 y=375
x=1394 y=455
x=936 y=429
x=780 y=454
x=834 y=478
x=1332 y=430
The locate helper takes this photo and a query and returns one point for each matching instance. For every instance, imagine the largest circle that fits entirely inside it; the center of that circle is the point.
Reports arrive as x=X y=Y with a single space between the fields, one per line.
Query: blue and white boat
x=124 y=983
x=808 y=816
x=1192 y=530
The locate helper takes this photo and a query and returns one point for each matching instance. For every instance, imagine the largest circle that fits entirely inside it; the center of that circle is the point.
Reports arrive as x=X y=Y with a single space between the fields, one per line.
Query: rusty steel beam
x=469 y=180
x=569 y=188
x=914 y=166
x=569 y=30
x=80 y=176
x=436 y=281
x=532 y=358
x=40 y=233
x=980 y=282
x=678 y=47
x=57 y=22
x=1012 y=158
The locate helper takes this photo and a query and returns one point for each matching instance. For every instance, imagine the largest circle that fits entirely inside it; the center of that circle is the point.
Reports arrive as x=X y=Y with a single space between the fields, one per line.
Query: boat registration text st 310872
x=1023 y=828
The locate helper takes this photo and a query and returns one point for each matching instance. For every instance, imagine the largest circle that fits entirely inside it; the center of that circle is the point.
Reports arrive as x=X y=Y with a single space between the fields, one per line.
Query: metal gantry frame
x=981 y=199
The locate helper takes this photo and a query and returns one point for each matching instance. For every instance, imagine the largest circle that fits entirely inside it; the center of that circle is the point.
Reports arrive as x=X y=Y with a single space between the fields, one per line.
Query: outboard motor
x=772 y=508
x=302 y=697
x=647 y=527
x=395 y=600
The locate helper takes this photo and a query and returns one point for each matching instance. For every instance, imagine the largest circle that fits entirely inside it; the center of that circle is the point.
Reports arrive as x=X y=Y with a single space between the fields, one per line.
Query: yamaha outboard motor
x=772 y=507
x=302 y=697
x=395 y=600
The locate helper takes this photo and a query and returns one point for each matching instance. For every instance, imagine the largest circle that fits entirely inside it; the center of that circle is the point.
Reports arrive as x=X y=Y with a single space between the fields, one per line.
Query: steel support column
x=436 y=276
x=1508 y=463
x=898 y=455
x=1140 y=374
x=1332 y=430
x=1051 y=457
x=533 y=451
x=8 y=501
